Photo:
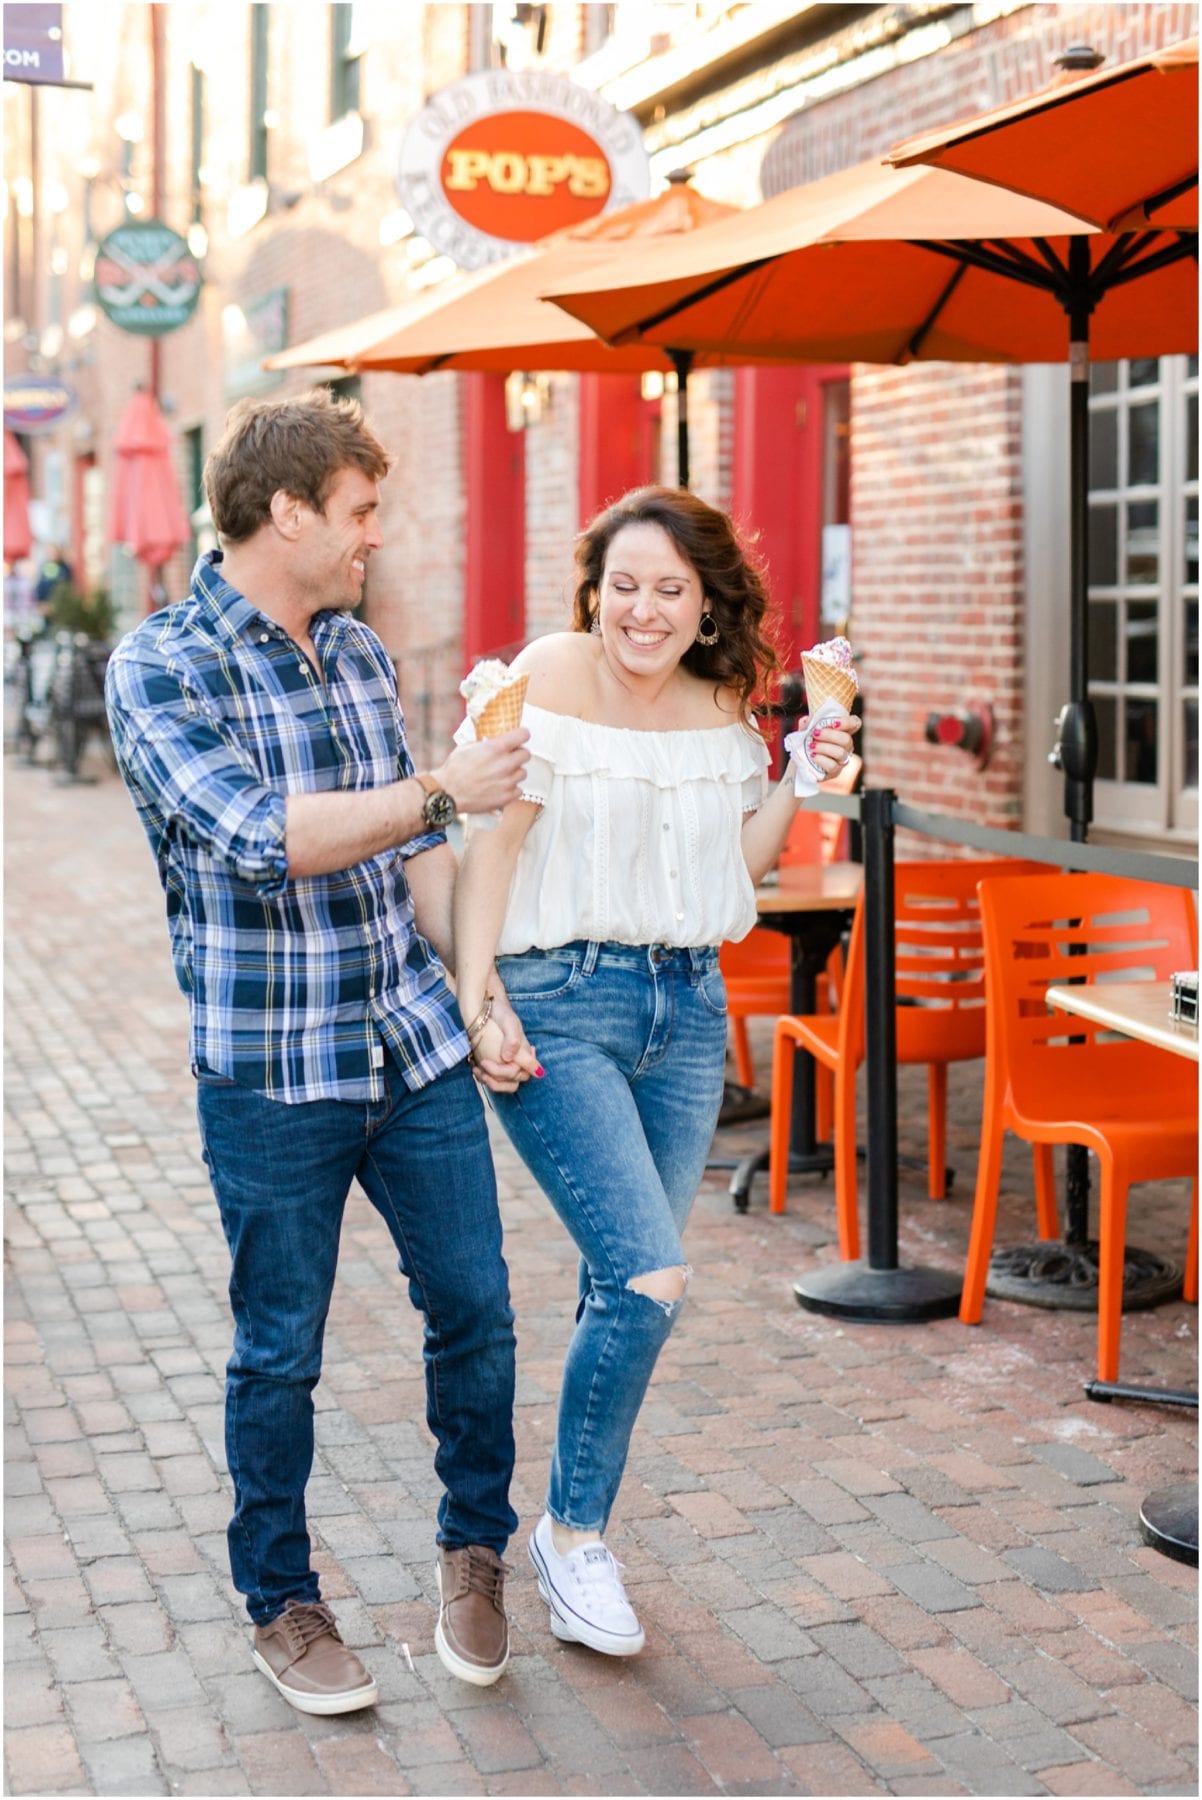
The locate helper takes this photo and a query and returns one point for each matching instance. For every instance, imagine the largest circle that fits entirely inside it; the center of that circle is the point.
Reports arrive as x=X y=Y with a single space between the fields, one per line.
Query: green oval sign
x=146 y=279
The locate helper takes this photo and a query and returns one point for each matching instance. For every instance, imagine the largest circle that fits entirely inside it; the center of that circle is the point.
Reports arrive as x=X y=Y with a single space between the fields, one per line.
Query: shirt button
x=680 y=918
x=667 y=827
x=302 y=667
x=672 y=873
x=265 y=637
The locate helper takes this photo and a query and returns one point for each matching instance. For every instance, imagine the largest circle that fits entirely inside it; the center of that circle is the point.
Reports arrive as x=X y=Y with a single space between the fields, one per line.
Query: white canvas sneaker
x=585 y=1595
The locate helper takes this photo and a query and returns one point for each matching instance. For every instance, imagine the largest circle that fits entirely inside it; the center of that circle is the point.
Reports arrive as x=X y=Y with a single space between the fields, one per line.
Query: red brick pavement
x=869 y=1559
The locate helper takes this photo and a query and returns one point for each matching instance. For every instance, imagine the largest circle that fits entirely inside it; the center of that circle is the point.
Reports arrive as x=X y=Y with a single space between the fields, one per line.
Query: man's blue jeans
x=281 y=1175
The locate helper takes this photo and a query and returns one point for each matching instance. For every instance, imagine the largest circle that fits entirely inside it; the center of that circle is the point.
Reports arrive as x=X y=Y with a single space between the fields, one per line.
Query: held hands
x=485 y=776
x=501 y=1057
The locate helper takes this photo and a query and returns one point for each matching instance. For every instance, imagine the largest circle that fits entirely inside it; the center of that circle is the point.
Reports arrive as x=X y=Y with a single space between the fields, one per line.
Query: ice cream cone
x=504 y=711
x=824 y=681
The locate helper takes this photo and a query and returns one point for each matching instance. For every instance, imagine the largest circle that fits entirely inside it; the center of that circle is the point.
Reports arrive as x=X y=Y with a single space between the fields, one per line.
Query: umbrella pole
x=682 y=361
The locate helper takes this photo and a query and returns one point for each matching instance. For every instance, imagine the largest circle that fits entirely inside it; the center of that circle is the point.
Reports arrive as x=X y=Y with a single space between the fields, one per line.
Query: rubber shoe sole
x=455 y=1665
x=322 y=1704
x=573 y=1630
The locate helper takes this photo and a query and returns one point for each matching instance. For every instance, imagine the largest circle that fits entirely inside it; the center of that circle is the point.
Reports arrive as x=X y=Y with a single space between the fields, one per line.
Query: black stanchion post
x=880 y=1026
x=880 y=1291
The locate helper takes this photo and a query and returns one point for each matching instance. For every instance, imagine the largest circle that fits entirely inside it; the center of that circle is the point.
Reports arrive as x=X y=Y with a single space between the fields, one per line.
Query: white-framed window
x=1143 y=593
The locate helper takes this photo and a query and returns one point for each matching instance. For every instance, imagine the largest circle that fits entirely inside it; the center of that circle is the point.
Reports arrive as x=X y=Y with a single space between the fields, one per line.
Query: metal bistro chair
x=1055 y=1080
x=940 y=1020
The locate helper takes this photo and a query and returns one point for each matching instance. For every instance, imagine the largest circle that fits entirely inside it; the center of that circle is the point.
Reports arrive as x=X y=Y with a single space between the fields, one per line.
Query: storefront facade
x=923 y=508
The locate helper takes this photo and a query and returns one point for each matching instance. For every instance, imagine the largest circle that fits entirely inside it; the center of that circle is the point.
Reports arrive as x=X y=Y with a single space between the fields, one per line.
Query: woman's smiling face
x=650 y=602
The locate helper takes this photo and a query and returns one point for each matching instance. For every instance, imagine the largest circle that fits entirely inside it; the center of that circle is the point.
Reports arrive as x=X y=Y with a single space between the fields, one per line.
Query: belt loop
x=591 y=952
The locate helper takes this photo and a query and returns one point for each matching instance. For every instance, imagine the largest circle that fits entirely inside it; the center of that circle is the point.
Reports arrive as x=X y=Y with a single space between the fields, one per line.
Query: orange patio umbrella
x=1119 y=146
x=877 y=264
x=145 y=510
x=495 y=320
x=18 y=539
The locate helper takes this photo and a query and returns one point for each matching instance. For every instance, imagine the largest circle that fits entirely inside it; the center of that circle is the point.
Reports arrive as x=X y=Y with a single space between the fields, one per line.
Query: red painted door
x=494 y=614
x=788 y=480
x=619 y=440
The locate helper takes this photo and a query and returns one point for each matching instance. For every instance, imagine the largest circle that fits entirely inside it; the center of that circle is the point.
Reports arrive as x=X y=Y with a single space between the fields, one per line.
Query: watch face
x=439 y=810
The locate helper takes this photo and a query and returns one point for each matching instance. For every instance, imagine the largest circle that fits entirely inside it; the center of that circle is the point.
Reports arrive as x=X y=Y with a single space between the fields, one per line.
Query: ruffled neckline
x=725 y=753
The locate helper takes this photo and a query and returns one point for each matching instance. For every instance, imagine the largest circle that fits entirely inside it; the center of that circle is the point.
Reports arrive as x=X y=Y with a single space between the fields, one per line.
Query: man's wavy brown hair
x=743 y=657
x=299 y=446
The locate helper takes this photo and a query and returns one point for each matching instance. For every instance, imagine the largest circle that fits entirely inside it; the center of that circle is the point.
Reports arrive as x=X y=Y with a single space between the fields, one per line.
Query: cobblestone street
x=868 y=1559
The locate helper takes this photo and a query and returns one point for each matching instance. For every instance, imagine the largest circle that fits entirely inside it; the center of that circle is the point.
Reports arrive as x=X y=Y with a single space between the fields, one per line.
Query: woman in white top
x=603 y=895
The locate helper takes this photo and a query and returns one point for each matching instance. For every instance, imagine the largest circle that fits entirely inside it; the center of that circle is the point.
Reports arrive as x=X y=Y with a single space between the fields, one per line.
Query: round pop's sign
x=146 y=279
x=499 y=160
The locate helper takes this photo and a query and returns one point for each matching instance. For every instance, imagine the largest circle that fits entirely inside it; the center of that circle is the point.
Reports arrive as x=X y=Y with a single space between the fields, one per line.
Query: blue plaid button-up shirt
x=295 y=986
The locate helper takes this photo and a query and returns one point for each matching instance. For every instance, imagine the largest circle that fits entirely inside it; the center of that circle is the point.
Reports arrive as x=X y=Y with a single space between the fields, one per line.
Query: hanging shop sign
x=33 y=44
x=37 y=403
x=146 y=279
x=501 y=158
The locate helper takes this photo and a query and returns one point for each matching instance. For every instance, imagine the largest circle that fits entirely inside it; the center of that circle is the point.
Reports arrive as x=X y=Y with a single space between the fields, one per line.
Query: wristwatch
x=440 y=809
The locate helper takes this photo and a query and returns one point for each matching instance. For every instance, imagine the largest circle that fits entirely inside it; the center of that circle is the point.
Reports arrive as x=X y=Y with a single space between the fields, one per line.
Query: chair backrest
x=939 y=958
x=1053 y=928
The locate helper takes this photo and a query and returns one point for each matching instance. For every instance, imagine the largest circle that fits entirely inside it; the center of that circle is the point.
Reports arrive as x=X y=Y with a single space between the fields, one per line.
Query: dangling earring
x=708 y=631
x=595 y=624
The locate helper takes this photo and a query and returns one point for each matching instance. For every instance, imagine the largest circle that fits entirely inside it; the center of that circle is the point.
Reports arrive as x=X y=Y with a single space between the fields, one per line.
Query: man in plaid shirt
x=308 y=881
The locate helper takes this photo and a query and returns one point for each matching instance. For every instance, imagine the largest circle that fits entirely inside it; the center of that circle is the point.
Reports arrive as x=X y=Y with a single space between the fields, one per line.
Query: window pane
x=1143 y=648
x=1141 y=741
x=1104 y=448
x=1191 y=643
x=1142 y=371
x=1103 y=546
x=1103 y=378
x=1191 y=438
x=1105 y=709
x=1191 y=367
x=1189 y=727
x=1103 y=641
x=1143 y=543
x=1143 y=445
x=1191 y=540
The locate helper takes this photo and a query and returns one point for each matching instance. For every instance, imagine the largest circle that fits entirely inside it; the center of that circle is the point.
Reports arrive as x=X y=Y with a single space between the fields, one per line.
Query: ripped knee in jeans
x=667 y=1287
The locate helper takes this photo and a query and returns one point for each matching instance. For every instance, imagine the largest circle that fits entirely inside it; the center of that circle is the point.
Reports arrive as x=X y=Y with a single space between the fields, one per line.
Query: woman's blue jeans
x=633 y=1041
x=281 y=1175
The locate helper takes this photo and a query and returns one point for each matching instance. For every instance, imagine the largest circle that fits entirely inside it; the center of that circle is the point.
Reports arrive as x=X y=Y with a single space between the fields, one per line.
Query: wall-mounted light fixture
x=651 y=384
x=527 y=398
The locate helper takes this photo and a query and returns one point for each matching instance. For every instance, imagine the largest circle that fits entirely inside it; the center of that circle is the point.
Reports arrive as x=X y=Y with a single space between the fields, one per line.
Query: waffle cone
x=504 y=711
x=825 y=682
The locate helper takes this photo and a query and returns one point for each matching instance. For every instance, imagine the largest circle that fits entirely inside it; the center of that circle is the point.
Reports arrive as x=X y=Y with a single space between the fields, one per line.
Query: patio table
x=1140 y=1009
x=812 y=904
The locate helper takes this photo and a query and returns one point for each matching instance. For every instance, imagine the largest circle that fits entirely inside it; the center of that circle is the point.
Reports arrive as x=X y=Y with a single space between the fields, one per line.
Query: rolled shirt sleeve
x=177 y=757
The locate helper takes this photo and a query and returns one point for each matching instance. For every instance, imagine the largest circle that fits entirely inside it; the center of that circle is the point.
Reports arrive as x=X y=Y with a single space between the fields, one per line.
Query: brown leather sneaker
x=472 y=1634
x=302 y=1653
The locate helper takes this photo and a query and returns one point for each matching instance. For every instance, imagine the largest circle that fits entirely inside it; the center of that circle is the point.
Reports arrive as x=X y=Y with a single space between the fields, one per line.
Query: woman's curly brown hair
x=743 y=657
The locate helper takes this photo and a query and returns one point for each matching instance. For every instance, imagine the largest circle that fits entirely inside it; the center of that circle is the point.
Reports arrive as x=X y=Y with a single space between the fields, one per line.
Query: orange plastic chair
x=940 y=1020
x=1135 y=1106
x=756 y=969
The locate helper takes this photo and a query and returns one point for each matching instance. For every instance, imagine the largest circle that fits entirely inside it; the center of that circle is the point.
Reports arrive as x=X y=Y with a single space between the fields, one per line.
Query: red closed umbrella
x=145 y=510
x=18 y=539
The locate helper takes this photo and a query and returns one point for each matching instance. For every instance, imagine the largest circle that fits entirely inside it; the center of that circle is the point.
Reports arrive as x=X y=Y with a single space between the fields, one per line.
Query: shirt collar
x=233 y=614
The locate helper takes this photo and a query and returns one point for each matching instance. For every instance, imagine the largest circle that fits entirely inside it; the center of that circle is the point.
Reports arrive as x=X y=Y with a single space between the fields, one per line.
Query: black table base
x=1064 y=1276
x=879 y=1296
x=818 y=1161
x=1168 y=1520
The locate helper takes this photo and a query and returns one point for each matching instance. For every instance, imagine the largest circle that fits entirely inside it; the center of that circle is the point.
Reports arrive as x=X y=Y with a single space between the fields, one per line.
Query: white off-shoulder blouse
x=638 y=840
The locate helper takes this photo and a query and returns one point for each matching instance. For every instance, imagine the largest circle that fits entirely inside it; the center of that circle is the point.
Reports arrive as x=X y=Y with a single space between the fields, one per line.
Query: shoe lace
x=485 y=1573
x=310 y=1619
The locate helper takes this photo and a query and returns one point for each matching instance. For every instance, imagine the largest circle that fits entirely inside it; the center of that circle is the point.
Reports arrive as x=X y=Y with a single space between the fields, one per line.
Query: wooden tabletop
x=811 y=887
x=1138 y=1009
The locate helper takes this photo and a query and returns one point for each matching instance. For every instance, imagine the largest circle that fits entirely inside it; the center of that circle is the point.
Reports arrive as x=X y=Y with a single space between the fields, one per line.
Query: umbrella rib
x=1186 y=245
x=1025 y=269
x=914 y=347
x=695 y=297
